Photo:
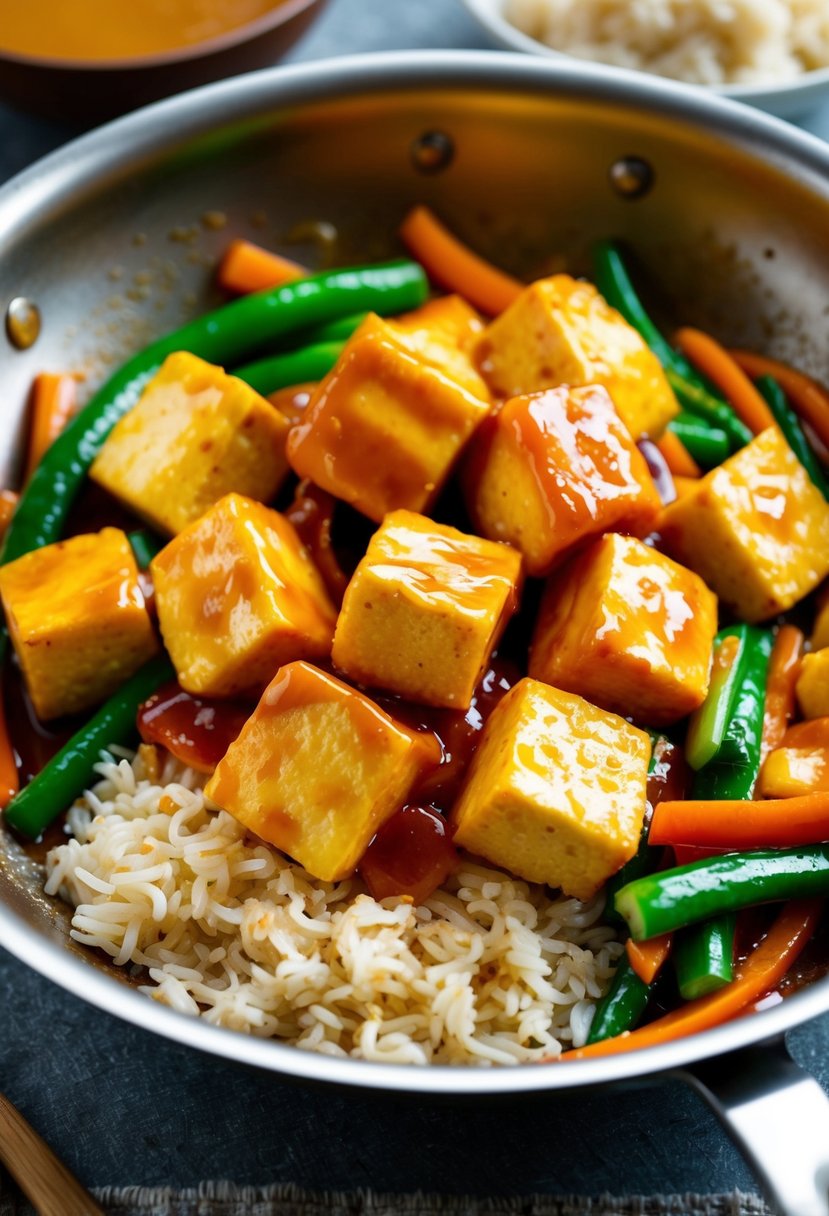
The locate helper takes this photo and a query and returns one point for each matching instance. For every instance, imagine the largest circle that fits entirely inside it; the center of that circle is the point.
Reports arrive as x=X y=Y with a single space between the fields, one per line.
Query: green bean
x=708 y=445
x=703 y=956
x=793 y=432
x=708 y=724
x=697 y=400
x=622 y=1006
x=291 y=367
x=145 y=546
x=672 y=899
x=69 y=773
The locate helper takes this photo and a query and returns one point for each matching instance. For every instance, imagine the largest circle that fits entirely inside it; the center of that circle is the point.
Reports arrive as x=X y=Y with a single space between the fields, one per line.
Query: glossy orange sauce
x=119 y=29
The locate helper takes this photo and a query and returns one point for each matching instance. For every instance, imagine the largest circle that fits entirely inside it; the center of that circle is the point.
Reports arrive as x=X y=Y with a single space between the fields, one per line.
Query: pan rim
x=127 y=143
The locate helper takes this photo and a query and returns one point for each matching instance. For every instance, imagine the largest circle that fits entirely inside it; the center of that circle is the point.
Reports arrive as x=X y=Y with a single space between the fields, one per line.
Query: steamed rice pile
x=491 y=970
x=702 y=41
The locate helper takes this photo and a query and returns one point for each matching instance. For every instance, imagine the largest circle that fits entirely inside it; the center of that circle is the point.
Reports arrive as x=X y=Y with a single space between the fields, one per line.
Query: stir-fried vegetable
x=660 y=903
x=766 y=823
x=761 y=972
x=787 y=421
x=714 y=361
x=707 y=725
x=708 y=445
x=697 y=400
x=809 y=399
x=677 y=457
x=53 y=402
x=648 y=958
x=456 y=267
x=293 y=367
x=622 y=1005
x=703 y=957
x=246 y=268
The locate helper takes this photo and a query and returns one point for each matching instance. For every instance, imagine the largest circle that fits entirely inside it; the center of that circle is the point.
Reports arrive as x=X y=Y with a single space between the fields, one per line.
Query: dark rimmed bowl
x=91 y=90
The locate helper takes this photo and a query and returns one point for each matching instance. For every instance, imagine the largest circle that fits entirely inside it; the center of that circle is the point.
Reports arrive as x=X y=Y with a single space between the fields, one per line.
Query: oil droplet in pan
x=23 y=322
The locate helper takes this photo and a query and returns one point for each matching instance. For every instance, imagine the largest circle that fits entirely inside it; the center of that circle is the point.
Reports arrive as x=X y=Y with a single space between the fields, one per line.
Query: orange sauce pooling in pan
x=119 y=29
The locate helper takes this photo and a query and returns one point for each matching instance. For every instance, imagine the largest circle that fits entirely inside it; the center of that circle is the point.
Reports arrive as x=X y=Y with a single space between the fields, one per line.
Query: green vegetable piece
x=733 y=772
x=145 y=545
x=291 y=367
x=708 y=445
x=622 y=1006
x=699 y=401
x=69 y=773
x=225 y=336
x=707 y=725
x=645 y=857
x=793 y=432
x=672 y=899
x=334 y=331
x=703 y=956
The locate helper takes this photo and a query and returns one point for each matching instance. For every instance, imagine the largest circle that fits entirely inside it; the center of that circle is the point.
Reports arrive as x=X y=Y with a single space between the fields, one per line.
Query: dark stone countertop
x=121 y=1107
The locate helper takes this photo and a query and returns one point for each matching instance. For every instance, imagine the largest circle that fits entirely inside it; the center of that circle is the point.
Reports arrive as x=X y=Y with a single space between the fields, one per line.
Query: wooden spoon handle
x=37 y=1171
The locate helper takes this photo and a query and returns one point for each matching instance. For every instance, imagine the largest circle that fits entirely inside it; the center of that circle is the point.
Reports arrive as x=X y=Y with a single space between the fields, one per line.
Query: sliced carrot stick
x=678 y=458
x=716 y=363
x=684 y=485
x=246 y=267
x=767 y=823
x=8 y=502
x=780 y=699
x=52 y=404
x=759 y=974
x=454 y=266
x=9 y=780
x=809 y=399
x=647 y=958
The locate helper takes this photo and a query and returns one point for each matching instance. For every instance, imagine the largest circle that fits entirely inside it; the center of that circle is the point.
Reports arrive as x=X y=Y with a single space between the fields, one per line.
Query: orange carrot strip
x=52 y=404
x=808 y=398
x=678 y=458
x=246 y=267
x=716 y=363
x=9 y=779
x=768 y=823
x=8 y=503
x=454 y=266
x=759 y=974
x=780 y=699
x=684 y=485
x=647 y=958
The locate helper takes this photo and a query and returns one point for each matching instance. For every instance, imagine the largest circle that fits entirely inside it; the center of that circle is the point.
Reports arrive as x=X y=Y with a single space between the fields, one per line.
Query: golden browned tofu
x=424 y=610
x=756 y=529
x=628 y=629
x=813 y=684
x=384 y=428
x=539 y=478
x=561 y=331
x=195 y=435
x=444 y=332
x=318 y=769
x=77 y=620
x=237 y=596
x=556 y=790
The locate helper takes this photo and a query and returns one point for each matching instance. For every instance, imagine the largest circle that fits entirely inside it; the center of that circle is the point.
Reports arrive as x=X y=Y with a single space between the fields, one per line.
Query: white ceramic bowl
x=791 y=99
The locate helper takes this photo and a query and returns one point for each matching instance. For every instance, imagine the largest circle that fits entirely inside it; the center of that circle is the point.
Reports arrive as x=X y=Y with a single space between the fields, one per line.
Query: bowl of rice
x=773 y=54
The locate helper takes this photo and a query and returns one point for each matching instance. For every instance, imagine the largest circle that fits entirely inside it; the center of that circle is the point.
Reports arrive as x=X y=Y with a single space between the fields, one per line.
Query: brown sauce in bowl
x=101 y=29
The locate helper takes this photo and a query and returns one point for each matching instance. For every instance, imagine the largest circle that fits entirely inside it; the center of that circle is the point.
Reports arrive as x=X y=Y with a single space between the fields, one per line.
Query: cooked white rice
x=491 y=970
x=702 y=41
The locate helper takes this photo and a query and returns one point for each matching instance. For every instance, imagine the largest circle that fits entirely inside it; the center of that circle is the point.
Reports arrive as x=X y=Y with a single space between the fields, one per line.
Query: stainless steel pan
x=113 y=237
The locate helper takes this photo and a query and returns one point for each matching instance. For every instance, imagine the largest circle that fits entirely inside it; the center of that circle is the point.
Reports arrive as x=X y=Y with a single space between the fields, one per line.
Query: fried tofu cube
x=756 y=529
x=318 y=769
x=77 y=620
x=628 y=629
x=813 y=684
x=384 y=427
x=444 y=332
x=237 y=596
x=556 y=790
x=561 y=331
x=553 y=469
x=195 y=435
x=424 y=610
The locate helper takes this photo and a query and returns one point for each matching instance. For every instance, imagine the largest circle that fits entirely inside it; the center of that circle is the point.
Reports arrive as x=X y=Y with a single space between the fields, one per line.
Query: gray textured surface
x=122 y=1108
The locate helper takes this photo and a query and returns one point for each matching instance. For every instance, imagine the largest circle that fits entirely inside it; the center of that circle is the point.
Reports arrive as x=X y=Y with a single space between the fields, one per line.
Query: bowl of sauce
x=91 y=59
